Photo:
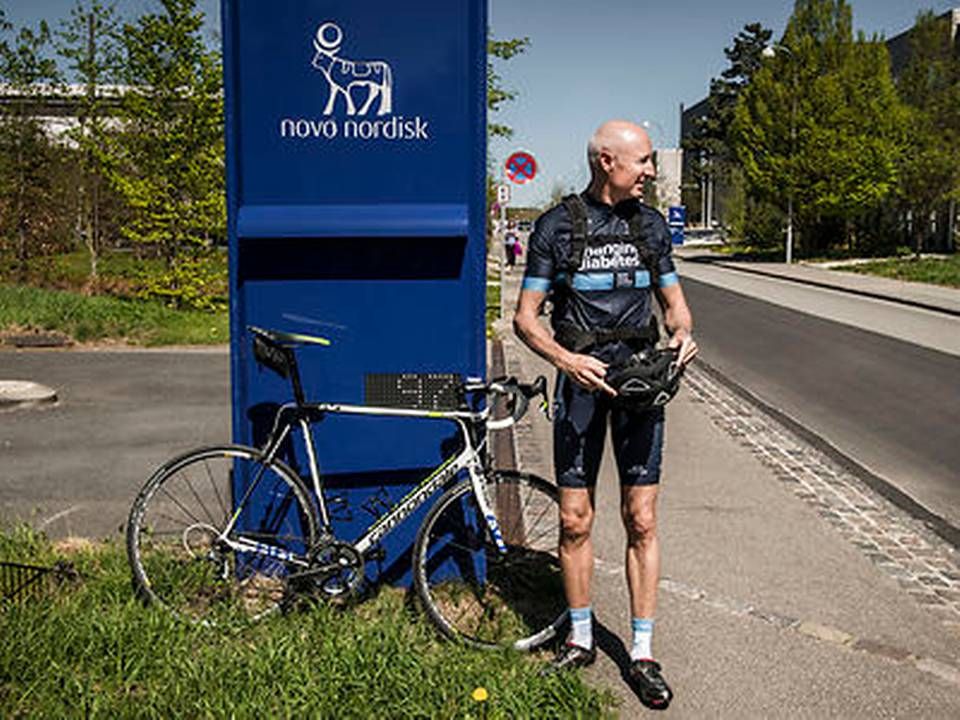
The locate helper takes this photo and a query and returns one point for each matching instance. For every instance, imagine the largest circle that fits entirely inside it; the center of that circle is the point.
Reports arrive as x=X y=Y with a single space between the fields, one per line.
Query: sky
x=591 y=61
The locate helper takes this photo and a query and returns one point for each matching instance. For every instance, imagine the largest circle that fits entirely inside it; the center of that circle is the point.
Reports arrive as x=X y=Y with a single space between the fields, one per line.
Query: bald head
x=614 y=137
x=621 y=161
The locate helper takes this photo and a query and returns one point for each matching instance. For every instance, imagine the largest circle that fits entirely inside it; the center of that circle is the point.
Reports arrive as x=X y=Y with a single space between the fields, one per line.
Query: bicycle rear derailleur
x=335 y=571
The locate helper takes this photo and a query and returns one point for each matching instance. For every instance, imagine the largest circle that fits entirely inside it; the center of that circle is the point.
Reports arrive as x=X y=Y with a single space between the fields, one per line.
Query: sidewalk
x=930 y=297
x=788 y=589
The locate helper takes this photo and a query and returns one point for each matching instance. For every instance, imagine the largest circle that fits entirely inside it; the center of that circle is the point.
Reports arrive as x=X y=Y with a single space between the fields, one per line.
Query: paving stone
x=941 y=669
x=933 y=580
x=824 y=633
x=777 y=619
x=927 y=598
x=878 y=648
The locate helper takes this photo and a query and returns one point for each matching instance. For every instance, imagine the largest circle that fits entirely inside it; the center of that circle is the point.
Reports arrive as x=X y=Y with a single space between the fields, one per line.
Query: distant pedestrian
x=604 y=257
x=510 y=242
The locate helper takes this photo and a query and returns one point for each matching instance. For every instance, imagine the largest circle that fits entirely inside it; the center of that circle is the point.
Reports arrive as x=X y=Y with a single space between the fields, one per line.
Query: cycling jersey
x=611 y=287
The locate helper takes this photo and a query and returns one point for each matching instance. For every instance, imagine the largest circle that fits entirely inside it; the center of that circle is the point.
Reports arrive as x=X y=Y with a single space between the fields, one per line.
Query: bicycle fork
x=475 y=469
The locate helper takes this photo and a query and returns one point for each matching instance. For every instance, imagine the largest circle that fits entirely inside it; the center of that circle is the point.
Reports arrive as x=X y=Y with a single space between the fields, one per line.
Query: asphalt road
x=73 y=468
x=891 y=405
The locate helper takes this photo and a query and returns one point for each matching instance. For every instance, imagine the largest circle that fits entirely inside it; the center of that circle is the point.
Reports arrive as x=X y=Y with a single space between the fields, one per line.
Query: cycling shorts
x=579 y=430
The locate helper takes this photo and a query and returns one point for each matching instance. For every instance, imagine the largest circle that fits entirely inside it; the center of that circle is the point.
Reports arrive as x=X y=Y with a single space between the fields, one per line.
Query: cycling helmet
x=650 y=378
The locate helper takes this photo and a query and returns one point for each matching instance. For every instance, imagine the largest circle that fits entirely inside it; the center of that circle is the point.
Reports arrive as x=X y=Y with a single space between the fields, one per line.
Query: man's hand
x=688 y=346
x=586 y=371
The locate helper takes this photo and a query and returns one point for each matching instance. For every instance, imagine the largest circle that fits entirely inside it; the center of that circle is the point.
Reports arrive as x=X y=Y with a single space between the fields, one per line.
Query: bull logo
x=345 y=77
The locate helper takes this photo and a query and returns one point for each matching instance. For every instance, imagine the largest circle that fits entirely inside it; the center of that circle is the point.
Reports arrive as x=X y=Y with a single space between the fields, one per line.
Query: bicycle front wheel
x=183 y=556
x=474 y=592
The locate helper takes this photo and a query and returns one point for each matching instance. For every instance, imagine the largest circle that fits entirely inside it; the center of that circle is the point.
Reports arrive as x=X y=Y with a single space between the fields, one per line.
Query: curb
x=839 y=288
x=15 y=393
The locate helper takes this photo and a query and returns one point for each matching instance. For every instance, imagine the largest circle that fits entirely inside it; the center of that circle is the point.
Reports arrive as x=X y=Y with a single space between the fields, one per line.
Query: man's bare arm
x=585 y=370
x=679 y=321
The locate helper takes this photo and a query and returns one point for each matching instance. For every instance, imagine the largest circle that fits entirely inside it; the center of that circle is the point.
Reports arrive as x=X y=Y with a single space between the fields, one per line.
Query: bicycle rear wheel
x=183 y=560
x=473 y=592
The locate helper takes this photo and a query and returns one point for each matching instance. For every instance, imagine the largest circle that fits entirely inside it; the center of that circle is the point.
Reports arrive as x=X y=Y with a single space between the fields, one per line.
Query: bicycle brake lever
x=540 y=388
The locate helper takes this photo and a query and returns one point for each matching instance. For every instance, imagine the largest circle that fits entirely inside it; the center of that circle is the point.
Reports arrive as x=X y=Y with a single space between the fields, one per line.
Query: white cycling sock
x=642 y=639
x=581 y=622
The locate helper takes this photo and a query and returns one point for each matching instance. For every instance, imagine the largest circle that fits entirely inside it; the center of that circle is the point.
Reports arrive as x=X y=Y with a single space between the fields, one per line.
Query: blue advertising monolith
x=356 y=149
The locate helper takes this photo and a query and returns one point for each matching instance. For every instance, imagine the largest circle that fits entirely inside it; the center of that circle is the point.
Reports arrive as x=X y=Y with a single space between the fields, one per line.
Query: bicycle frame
x=469 y=459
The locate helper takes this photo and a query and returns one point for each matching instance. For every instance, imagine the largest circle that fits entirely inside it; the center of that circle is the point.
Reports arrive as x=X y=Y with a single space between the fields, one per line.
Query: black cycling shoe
x=571 y=656
x=649 y=683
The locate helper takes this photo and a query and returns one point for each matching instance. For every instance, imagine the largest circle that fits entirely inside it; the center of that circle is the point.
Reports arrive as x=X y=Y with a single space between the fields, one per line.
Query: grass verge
x=932 y=270
x=493 y=307
x=92 y=318
x=90 y=650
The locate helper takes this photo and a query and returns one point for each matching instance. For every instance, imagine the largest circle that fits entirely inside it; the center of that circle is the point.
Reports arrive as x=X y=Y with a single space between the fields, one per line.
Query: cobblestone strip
x=925 y=566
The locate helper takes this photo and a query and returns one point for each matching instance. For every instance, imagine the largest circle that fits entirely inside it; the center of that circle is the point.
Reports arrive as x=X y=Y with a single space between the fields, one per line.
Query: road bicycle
x=232 y=530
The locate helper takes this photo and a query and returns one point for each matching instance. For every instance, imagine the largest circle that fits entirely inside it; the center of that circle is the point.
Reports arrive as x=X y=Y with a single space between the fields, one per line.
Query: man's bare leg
x=639 y=511
x=576 y=559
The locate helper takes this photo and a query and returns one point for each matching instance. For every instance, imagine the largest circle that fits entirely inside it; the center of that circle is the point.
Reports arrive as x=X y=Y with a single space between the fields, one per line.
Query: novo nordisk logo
x=351 y=83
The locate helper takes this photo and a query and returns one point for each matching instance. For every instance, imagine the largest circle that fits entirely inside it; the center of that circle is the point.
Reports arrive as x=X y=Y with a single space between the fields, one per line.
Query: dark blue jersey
x=611 y=288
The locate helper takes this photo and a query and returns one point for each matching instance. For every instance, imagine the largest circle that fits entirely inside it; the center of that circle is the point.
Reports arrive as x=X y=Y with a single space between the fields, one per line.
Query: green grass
x=91 y=318
x=493 y=308
x=749 y=253
x=90 y=650
x=936 y=271
x=119 y=270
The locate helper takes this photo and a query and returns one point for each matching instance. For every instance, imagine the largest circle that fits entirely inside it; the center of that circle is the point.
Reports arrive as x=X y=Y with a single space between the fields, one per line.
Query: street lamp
x=771 y=51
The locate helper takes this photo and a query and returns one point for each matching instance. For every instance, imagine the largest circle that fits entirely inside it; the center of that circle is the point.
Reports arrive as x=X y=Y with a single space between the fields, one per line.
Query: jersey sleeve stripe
x=669 y=279
x=537 y=284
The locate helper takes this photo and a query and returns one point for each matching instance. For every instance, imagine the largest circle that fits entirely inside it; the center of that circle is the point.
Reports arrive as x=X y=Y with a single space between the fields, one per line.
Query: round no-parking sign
x=521 y=167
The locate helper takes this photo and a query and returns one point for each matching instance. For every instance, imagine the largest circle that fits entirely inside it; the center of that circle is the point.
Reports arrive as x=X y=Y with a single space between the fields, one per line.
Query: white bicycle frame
x=468 y=459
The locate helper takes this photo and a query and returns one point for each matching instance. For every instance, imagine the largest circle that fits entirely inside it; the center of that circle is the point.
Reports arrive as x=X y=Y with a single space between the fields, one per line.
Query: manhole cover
x=15 y=392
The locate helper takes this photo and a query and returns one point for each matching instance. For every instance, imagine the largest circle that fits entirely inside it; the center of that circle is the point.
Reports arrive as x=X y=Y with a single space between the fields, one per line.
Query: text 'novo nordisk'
x=394 y=128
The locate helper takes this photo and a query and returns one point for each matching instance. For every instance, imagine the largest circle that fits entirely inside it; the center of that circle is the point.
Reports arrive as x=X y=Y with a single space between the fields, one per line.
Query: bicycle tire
x=474 y=593
x=175 y=524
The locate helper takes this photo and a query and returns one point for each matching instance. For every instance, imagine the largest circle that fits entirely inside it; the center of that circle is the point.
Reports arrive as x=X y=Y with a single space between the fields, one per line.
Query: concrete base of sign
x=24 y=392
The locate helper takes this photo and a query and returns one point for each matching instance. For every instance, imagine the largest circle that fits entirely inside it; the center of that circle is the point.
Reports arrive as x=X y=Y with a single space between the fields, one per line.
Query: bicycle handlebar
x=519 y=396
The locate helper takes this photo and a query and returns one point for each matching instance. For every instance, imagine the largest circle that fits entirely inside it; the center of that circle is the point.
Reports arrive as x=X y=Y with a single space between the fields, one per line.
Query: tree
x=712 y=133
x=711 y=143
x=26 y=158
x=820 y=126
x=496 y=93
x=167 y=162
x=88 y=41
x=930 y=86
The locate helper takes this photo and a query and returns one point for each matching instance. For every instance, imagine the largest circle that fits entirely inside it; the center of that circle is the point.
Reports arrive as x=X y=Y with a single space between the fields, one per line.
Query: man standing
x=604 y=256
